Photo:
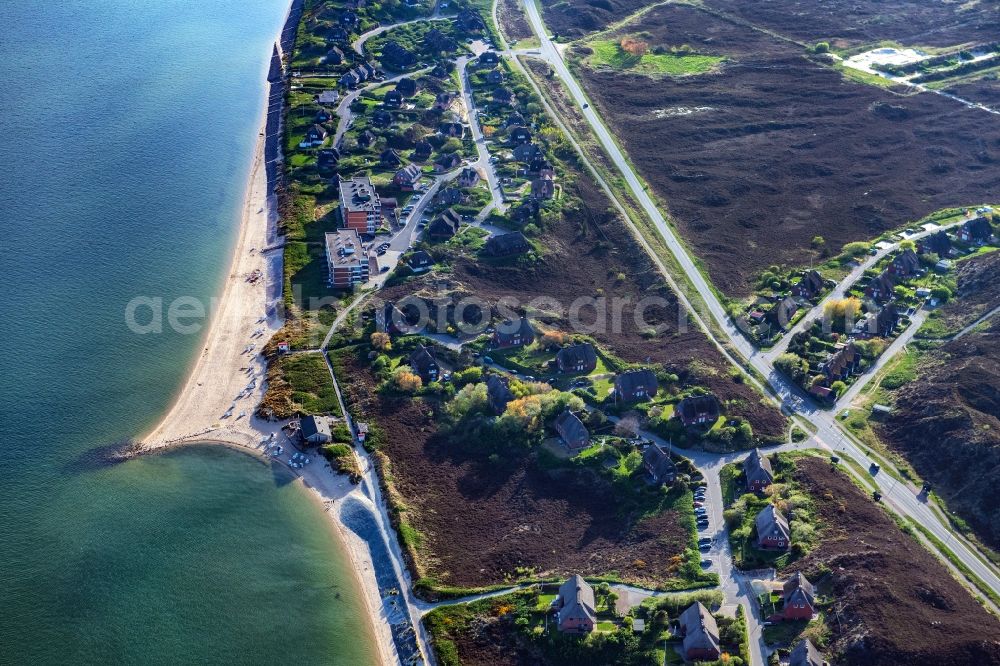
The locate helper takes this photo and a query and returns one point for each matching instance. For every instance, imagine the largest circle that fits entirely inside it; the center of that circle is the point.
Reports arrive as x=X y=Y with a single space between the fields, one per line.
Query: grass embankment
x=958 y=564
x=299 y=384
x=610 y=53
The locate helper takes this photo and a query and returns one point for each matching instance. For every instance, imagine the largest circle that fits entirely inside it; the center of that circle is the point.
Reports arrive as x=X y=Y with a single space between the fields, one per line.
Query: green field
x=609 y=53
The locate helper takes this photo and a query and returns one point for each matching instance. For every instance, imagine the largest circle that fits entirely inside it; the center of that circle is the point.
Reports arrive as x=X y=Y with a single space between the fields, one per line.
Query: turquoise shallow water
x=128 y=128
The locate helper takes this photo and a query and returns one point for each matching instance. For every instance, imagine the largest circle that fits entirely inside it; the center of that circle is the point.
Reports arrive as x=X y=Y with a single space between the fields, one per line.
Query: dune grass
x=609 y=53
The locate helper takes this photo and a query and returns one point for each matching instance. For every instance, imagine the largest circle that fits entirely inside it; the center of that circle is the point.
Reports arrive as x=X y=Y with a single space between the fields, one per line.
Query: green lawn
x=309 y=379
x=305 y=277
x=608 y=53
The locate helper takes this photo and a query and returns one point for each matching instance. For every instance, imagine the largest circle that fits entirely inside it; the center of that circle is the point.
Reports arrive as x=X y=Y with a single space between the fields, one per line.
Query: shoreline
x=222 y=373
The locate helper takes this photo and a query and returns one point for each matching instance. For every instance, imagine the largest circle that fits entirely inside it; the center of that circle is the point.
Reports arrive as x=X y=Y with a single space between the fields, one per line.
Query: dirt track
x=898 y=604
x=756 y=160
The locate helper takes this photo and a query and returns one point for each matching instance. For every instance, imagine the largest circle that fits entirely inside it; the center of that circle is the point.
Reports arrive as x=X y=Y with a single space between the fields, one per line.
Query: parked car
x=704 y=546
x=706 y=564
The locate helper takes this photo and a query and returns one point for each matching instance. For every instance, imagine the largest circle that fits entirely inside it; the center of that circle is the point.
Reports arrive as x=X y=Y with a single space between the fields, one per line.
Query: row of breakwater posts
x=277 y=77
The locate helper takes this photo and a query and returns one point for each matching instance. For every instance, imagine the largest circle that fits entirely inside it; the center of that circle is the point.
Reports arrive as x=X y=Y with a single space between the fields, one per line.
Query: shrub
x=381 y=341
x=941 y=293
x=857 y=249
x=792 y=365
x=406 y=381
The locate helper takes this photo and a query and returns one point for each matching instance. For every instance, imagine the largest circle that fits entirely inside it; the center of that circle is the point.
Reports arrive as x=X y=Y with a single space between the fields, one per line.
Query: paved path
x=897 y=345
x=483 y=164
x=344 y=113
x=976 y=323
x=359 y=44
x=840 y=291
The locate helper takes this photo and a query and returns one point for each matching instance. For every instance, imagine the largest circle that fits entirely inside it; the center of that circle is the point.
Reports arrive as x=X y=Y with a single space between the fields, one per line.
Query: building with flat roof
x=347 y=258
x=360 y=206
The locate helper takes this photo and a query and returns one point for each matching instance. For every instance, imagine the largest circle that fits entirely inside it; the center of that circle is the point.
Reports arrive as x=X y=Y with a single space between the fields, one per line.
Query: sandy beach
x=223 y=370
x=217 y=403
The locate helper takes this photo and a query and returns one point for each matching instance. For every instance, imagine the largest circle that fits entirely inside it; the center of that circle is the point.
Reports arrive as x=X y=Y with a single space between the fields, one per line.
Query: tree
x=407 y=381
x=792 y=365
x=907 y=245
x=821 y=47
x=842 y=311
x=628 y=426
x=612 y=597
x=634 y=46
x=838 y=388
x=818 y=242
x=381 y=341
x=553 y=338
x=471 y=398
x=469 y=375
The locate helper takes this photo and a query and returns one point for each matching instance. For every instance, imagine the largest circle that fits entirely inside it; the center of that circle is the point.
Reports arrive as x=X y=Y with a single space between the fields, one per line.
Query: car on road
x=487 y=359
x=586 y=106
x=874 y=468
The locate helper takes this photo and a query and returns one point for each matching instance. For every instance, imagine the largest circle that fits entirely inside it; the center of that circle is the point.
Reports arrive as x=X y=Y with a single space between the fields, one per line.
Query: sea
x=128 y=127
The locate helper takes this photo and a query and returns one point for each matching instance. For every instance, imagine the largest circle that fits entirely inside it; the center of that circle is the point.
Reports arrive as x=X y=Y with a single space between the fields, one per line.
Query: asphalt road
x=899 y=496
x=483 y=164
